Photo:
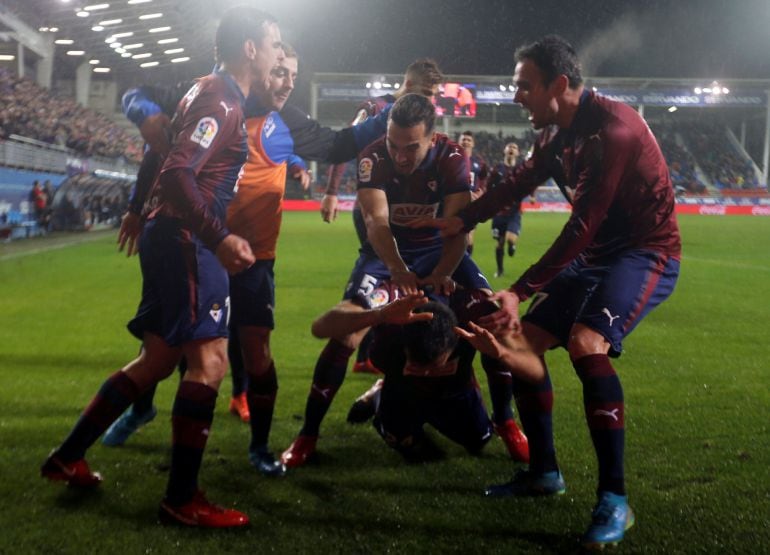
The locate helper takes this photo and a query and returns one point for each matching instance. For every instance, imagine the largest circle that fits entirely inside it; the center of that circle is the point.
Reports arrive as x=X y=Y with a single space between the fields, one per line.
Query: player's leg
x=512 y=232
x=330 y=369
x=155 y=362
x=500 y=381
x=239 y=405
x=498 y=234
x=463 y=419
x=192 y=416
x=630 y=287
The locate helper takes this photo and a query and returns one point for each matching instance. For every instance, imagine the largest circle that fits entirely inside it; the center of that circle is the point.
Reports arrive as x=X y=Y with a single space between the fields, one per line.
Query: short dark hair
x=288 y=50
x=238 y=25
x=469 y=133
x=426 y=73
x=427 y=340
x=554 y=56
x=413 y=109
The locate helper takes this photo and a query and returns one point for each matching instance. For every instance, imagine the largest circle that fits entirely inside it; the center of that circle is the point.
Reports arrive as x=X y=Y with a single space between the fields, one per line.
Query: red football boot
x=201 y=512
x=366 y=367
x=76 y=474
x=239 y=406
x=514 y=439
x=299 y=451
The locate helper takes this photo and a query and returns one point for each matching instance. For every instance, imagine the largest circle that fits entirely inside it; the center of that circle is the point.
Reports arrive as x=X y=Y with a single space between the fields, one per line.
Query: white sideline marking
x=30 y=252
x=727 y=264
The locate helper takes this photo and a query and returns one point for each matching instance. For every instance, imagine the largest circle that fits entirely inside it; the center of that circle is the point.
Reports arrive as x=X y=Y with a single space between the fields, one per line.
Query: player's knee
x=584 y=341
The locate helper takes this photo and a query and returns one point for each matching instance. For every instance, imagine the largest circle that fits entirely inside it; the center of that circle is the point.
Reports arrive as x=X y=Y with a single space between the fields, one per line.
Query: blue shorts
x=185 y=293
x=611 y=298
x=510 y=223
x=461 y=417
x=370 y=271
x=252 y=294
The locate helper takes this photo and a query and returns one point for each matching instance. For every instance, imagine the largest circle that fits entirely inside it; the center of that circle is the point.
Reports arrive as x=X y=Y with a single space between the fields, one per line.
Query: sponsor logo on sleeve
x=365 y=170
x=205 y=132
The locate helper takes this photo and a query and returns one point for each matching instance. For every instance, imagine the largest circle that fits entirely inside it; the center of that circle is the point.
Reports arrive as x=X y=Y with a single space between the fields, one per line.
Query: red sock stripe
x=259 y=400
x=540 y=402
x=117 y=392
x=593 y=366
x=336 y=353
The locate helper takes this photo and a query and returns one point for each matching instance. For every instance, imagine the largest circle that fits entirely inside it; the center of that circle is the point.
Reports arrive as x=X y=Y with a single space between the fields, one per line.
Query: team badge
x=379 y=297
x=216 y=312
x=205 y=132
x=365 y=170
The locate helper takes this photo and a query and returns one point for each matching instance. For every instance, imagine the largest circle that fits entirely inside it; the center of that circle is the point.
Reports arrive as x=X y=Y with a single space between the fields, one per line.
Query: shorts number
x=367 y=285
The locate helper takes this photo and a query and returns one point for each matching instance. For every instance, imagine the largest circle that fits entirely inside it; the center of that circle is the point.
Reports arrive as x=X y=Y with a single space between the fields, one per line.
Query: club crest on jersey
x=403 y=214
x=205 y=132
x=365 y=170
x=216 y=312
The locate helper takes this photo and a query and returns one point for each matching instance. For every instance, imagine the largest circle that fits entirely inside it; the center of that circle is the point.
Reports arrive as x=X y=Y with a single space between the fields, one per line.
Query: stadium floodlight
x=673 y=109
x=94 y=62
x=64 y=41
x=148 y=64
x=138 y=1
x=120 y=50
x=96 y=7
x=7 y=57
x=502 y=88
x=173 y=51
x=160 y=29
x=180 y=60
x=377 y=85
x=126 y=55
x=141 y=56
x=511 y=88
x=97 y=28
x=101 y=70
x=123 y=35
x=167 y=41
x=135 y=45
x=725 y=90
x=151 y=16
x=697 y=90
x=398 y=85
x=43 y=29
x=368 y=84
x=107 y=22
x=115 y=45
x=82 y=13
x=54 y=29
x=75 y=52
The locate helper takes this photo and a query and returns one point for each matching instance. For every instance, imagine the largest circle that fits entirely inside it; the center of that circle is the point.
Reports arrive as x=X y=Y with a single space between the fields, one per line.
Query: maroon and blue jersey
x=443 y=172
x=479 y=173
x=199 y=174
x=611 y=169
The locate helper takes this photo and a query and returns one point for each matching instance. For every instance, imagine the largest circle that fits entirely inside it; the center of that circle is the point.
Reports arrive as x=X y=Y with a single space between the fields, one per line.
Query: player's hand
x=235 y=254
x=400 y=311
x=130 y=229
x=507 y=318
x=481 y=339
x=406 y=281
x=156 y=132
x=442 y=285
x=329 y=208
x=302 y=175
x=449 y=227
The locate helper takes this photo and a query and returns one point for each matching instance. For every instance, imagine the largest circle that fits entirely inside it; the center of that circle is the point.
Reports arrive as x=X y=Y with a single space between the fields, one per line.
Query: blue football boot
x=127 y=424
x=265 y=463
x=526 y=483
x=610 y=519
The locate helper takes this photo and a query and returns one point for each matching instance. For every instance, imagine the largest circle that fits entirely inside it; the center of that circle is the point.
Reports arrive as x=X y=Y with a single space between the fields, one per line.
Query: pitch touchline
x=22 y=254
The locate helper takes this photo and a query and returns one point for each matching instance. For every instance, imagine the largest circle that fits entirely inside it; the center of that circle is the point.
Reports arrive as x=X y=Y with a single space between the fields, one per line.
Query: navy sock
x=535 y=405
x=500 y=384
x=114 y=397
x=499 y=259
x=261 y=398
x=191 y=420
x=327 y=378
x=237 y=371
x=604 y=410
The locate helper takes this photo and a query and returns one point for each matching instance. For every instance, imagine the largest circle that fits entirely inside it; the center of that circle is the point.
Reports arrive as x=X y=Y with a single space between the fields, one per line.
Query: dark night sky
x=647 y=38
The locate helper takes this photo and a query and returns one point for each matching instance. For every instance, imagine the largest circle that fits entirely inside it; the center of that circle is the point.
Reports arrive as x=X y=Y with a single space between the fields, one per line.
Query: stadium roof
x=161 y=33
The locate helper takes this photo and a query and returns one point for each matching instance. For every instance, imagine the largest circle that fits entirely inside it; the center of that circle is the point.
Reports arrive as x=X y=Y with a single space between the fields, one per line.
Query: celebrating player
x=186 y=252
x=479 y=173
x=506 y=225
x=615 y=260
x=411 y=172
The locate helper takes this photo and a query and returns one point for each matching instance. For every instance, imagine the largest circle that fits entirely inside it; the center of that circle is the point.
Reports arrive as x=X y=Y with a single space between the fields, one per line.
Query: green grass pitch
x=695 y=375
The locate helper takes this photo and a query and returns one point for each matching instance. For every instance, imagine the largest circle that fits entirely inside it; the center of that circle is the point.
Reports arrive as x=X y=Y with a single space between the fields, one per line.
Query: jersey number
x=367 y=285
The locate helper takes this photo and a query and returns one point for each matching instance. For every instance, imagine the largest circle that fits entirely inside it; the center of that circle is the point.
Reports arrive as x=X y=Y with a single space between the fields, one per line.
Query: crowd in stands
x=85 y=201
x=681 y=163
x=29 y=110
